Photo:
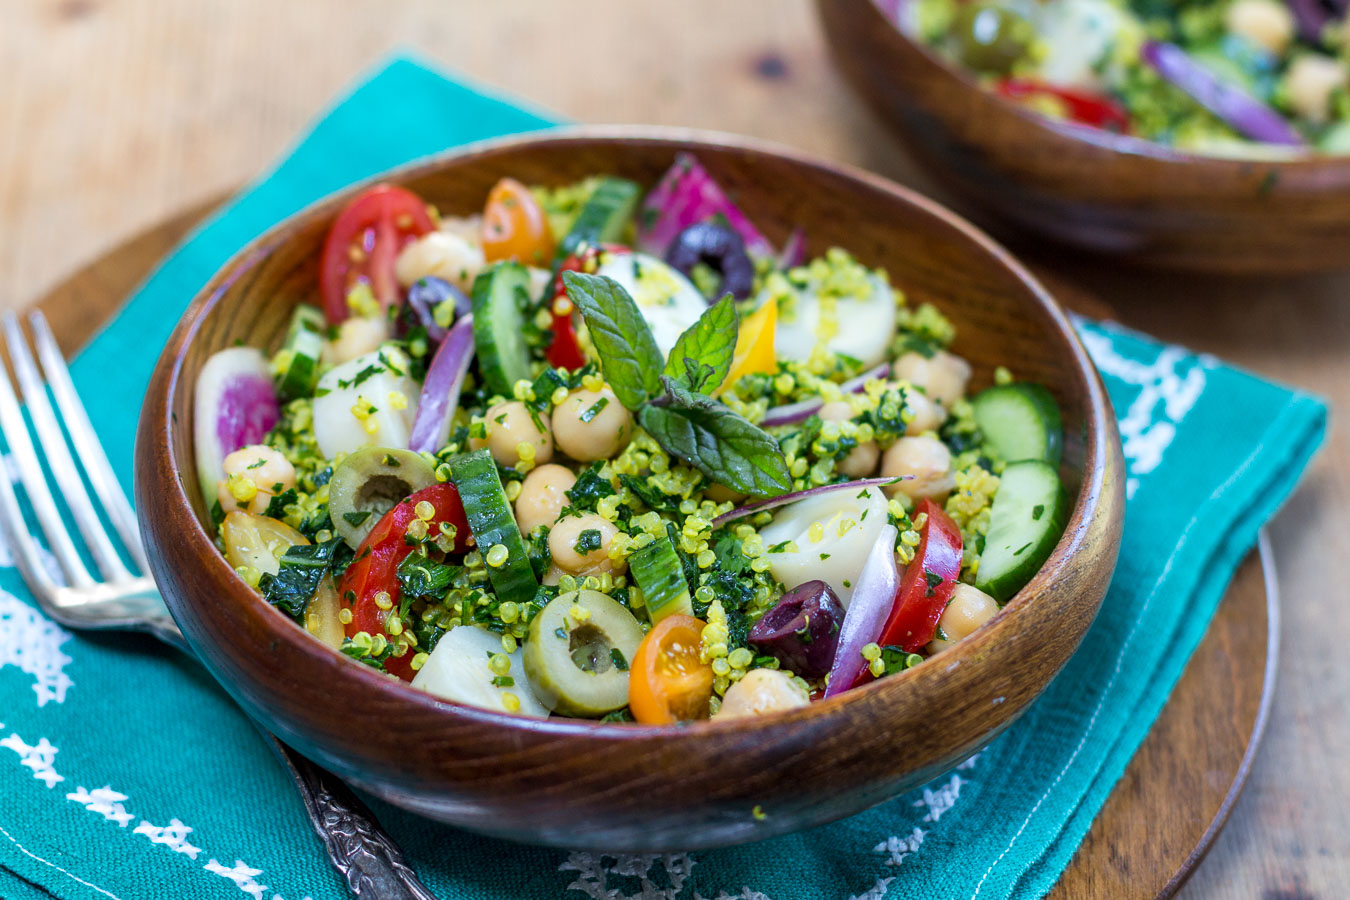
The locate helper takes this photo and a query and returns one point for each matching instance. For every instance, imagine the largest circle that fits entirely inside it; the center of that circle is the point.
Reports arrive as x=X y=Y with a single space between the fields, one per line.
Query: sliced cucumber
x=305 y=318
x=297 y=363
x=1020 y=421
x=604 y=216
x=657 y=570
x=1028 y=517
x=500 y=294
x=490 y=520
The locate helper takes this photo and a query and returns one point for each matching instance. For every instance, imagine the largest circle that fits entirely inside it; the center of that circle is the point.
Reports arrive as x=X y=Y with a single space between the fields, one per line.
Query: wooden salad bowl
x=627 y=787
x=1118 y=195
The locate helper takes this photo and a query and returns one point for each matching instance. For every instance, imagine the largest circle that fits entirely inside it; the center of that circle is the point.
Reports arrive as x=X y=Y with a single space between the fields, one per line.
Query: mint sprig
x=629 y=358
x=701 y=358
x=718 y=442
x=669 y=396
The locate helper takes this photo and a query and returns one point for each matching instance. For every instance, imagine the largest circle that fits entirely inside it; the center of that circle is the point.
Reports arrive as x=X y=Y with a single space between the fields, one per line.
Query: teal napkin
x=125 y=772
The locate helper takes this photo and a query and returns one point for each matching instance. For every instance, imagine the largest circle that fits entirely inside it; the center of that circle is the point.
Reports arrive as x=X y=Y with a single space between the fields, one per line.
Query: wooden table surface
x=116 y=113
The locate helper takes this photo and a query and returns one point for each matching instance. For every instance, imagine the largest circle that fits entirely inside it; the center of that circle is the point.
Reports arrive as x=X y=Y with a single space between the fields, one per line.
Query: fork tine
x=85 y=439
x=53 y=442
x=21 y=545
x=35 y=485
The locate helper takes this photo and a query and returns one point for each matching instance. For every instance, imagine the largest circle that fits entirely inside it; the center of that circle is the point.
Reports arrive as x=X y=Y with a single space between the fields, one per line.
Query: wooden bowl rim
x=1096 y=138
x=1099 y=461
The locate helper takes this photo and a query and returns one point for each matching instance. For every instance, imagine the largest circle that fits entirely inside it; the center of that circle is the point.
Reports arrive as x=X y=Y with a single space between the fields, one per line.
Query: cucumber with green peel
x=1025 y=523
x=493 y=524
x=603 y=217
x=1020 y=421
x=297 y=363
x=500 y=294
x=657 y=570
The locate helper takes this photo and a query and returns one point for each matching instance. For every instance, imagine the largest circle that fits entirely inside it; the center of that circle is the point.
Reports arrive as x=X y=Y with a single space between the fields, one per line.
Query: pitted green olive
x=578 y=651
x=368 y=483
x=990 y=38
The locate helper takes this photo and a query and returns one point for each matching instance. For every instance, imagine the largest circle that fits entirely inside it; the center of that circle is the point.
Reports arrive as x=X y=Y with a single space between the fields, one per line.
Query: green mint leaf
x=717 y=442
x=702 y=356
x=629 y=358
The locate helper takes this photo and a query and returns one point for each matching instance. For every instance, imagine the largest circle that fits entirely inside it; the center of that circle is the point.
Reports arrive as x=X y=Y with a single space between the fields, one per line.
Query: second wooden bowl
x=623 y=787
x=1122 y=196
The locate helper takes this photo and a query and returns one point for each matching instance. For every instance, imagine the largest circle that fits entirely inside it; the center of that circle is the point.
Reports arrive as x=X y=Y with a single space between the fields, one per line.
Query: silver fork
x=363 y=854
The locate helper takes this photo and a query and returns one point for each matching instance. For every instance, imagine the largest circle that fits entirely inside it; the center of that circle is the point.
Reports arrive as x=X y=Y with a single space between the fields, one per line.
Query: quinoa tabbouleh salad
x=601 y=455
x=1224 y=77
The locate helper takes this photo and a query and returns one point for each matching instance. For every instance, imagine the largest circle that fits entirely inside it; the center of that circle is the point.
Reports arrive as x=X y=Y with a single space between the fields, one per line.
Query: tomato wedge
x=364 y=244
x=565 y=348
x=1082 y=107
x=667 y=682
x=515 y=227
x=928 y=582
x=375 y=567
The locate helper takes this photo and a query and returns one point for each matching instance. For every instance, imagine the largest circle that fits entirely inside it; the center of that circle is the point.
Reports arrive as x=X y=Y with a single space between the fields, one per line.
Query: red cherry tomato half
x=928 y=582
x=1082 y=107
x=375 y=567
x=364 y=243
x=565 y=349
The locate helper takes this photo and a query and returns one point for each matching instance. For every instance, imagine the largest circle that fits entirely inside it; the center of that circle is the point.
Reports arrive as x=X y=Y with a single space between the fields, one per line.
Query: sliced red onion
x=687 y=195
x=802 y=410
x=872 y=601
x=426 y=294
x=1235 y=106
x=784 y=499
x=235 y=406
x=440 y=390
x=1313 y=16
x=793 y=253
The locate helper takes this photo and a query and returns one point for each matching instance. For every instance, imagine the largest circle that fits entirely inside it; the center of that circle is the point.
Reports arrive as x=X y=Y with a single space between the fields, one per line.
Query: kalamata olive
x=426 y=294
x=990 y=38
x=802 y=629
x=719 y=247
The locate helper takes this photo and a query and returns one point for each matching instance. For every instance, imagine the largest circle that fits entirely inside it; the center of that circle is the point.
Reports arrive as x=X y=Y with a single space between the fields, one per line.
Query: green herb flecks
x=301 y=572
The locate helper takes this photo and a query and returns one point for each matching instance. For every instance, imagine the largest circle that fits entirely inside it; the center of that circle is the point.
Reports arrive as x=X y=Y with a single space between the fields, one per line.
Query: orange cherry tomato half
x=515 y=227
x=667 y=682
x=364 y=244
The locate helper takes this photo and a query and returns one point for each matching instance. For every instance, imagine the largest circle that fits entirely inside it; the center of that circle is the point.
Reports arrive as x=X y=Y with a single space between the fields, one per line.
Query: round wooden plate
x=1177 y=791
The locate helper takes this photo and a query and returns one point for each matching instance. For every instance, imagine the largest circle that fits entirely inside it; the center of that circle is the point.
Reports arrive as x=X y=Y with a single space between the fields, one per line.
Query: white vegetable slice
x=235 y=405
x=669 y=302
x=864 y=325
x=380 y=380
x=834 y=553
x=458 y=670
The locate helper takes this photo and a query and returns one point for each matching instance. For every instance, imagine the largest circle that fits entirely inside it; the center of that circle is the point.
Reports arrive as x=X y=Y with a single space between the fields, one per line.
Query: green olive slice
x=368 y=483
x=578 y=666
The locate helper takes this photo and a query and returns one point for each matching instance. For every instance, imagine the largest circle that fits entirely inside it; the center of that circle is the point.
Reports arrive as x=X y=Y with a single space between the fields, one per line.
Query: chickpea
x=760 y=692
x=591 y=425
x=943 y=376
x=928 y=416
x=927 y=459
x=443 y=254
x=1310 y=81
x=253 y=476
x=1265 y=23
x=356 y=336
x=541 y=496
x=509 y=425
x=566 y=534
x=968 y=609
x=862 y=459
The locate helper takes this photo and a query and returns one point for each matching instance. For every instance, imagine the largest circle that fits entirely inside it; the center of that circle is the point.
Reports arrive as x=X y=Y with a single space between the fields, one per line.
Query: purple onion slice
x=784 y=499
x=1245 y=113
x=440 y=390
x=867 y=613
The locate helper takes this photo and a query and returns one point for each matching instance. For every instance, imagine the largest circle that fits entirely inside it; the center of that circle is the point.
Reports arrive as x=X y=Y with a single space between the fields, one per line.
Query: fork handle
x=358 y=848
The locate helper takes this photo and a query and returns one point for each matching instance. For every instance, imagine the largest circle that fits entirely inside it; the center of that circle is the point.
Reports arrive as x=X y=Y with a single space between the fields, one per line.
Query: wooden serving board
x=1180 y=787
